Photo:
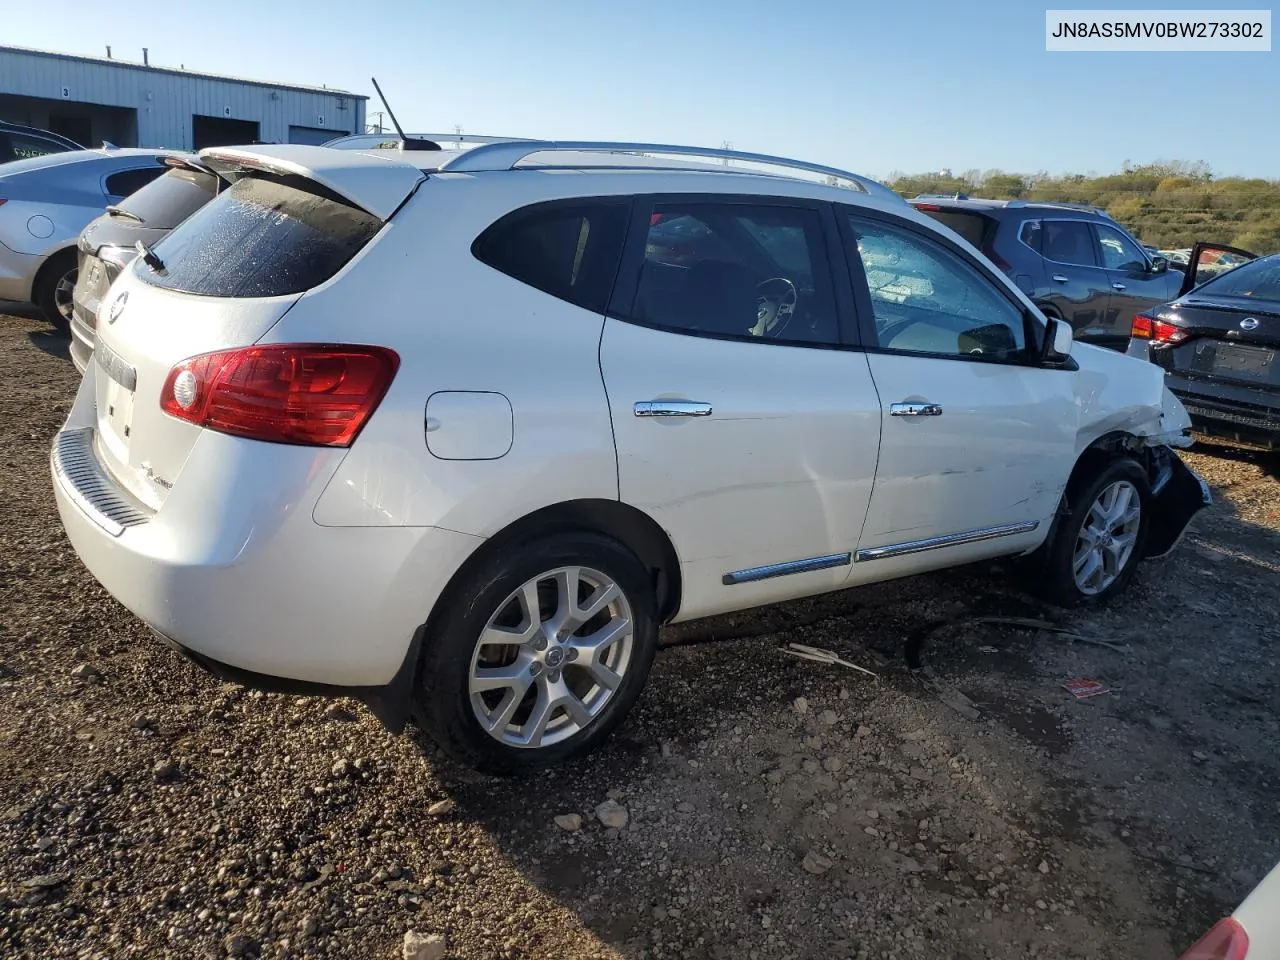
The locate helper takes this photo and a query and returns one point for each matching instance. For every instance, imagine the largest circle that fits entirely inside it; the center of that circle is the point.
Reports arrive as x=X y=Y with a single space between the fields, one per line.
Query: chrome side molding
x=951 y=540
x=751 y=574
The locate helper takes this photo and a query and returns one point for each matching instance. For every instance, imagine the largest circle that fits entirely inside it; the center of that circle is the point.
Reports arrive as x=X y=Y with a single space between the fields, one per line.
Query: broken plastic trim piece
x=1180 y=496
x=1172 y=438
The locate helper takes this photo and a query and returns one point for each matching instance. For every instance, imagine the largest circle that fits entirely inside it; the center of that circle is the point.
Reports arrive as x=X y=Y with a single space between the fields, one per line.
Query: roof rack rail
x=504 y=155
x=1085 y=207
x=466 y=138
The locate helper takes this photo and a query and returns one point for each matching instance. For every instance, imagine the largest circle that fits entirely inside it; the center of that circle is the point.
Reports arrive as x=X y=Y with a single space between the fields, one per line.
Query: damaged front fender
x=1122 y=417
x=1175 y=423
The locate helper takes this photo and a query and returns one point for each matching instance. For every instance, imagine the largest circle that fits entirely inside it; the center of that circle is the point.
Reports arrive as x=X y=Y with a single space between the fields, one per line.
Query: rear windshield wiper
x=116 y=211
x=149 y=257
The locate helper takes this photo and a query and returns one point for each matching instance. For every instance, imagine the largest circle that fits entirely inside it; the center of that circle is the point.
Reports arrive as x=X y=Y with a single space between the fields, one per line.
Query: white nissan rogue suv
x=455 y=432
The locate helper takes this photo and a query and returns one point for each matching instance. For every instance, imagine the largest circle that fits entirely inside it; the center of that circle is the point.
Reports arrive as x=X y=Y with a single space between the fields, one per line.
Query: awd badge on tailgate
x=117 y=307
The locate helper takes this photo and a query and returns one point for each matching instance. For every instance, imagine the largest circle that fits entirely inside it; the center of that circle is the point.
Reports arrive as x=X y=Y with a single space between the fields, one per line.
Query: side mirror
x=1159 y=265
x=1057 y=341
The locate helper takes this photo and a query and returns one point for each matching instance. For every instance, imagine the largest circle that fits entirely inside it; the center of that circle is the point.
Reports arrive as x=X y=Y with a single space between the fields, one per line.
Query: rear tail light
x=1226 y=941
x=311 y=394
x=1147 y=327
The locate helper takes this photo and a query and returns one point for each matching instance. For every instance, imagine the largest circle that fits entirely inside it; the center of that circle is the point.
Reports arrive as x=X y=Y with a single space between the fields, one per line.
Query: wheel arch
x=1099 y=452
x=46 y=268
x=633 y=528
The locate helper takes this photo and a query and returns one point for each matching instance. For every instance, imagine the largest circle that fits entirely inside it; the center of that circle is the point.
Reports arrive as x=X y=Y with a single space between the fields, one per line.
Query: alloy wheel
x=1104 y=547
x=62 y=293
x=551 y=657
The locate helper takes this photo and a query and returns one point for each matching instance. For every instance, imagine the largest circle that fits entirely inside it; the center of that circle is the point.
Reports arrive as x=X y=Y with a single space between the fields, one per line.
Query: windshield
x=262 y=237
x=1256 y=280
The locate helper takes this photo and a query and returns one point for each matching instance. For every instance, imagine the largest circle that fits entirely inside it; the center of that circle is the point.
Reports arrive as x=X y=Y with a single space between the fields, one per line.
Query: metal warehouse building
x=92 y=99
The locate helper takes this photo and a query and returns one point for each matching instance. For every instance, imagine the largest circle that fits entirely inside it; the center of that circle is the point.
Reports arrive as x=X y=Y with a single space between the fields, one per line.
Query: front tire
x=1096 y=548
x=54 y=289
x=538 y=654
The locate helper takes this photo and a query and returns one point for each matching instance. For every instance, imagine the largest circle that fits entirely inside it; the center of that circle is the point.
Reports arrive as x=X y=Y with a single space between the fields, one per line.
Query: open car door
x=1207 y=260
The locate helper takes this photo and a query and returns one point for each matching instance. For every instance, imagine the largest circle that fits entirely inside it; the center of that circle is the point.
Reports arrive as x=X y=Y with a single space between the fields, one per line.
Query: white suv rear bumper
x=243 y=576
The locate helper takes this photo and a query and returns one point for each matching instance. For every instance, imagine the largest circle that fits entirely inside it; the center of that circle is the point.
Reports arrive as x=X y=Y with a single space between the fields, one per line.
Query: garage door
x=313 y=135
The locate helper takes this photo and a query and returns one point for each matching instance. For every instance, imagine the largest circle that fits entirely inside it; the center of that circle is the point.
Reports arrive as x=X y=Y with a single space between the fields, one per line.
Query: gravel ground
x=960 y=805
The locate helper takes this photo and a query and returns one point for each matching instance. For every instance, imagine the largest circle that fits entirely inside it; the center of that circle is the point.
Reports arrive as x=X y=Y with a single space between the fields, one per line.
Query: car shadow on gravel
x=699 y=769
x=51 y=342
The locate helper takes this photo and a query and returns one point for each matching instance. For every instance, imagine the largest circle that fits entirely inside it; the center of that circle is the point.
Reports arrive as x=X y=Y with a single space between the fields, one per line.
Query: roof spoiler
x=378 y=185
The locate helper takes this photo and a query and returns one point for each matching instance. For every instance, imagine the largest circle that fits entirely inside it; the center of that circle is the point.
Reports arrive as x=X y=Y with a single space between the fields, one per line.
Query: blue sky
x=904 y=86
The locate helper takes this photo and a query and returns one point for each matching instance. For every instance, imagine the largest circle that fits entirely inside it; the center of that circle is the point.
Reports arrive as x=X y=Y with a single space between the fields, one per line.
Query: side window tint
x=129 y=181
x=731 y=269
x=1118 y=251
x=927 y=299
x=568 y=251
x=1032 y=234
x=1069 y=241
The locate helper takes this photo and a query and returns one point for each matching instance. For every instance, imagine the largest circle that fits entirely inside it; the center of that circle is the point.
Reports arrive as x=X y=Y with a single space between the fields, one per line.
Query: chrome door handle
x=1117 y=286
x=1059 y=278
x=915 y=410
x=672 y=408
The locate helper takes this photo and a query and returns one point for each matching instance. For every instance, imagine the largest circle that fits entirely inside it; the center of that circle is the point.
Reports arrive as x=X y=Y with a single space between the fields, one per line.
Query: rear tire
x=54 y=287
x=1096 y=546
x=538 y=654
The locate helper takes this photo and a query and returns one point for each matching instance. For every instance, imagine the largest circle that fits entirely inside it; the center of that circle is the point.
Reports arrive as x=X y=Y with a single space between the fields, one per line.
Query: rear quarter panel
x=459 y=325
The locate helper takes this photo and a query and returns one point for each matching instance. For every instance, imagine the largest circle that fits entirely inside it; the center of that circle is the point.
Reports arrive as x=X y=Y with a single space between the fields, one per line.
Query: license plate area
x=1238 y=362
x=1249 y=363
x=117 y=385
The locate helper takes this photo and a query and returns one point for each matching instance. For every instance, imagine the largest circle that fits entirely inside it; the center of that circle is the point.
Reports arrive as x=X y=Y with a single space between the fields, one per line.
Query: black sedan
x=1219 y=344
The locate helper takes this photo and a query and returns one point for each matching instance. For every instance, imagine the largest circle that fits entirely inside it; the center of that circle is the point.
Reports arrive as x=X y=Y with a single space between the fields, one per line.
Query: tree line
x=1170 y=205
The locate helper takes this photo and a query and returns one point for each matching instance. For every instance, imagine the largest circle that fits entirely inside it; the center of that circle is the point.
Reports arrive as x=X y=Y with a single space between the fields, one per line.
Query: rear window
x=972 y=226
x=166 y=202
x=262 y=237
x=1255 y=280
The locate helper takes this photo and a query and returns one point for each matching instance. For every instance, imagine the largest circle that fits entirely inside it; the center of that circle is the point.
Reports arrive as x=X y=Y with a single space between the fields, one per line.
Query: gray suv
x=1073 y=261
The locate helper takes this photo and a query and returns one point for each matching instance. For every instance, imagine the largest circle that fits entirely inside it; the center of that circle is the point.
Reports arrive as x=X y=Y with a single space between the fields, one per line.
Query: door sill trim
x=951 y=540
x=752 y=574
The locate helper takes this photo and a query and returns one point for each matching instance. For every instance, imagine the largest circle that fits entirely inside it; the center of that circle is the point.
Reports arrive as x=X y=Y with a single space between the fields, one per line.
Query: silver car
x=44 y=204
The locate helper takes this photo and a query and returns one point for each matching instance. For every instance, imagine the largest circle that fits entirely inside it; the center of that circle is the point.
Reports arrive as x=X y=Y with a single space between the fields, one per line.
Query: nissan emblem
x=118 y=306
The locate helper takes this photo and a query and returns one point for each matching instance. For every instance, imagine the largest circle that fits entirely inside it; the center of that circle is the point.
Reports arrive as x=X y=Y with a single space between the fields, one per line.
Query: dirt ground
x=961 y=805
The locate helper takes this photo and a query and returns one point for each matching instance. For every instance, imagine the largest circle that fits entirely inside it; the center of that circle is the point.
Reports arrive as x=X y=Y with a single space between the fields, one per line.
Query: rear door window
x=1069 y=241
x=744 y=270
x=1031 y=234
x=262 y=237
x=169 y=200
